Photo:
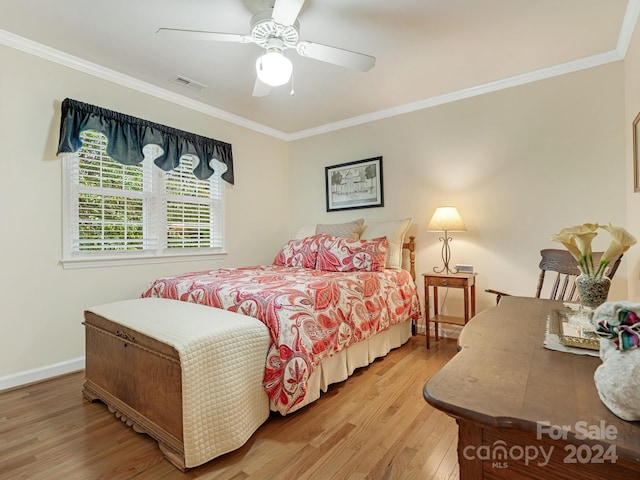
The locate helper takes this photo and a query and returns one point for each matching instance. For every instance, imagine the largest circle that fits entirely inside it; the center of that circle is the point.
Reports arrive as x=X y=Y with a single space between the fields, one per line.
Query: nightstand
x=466 y=281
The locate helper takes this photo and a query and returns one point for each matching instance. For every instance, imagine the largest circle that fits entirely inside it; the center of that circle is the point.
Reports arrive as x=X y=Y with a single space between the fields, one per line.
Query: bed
x=333 y=300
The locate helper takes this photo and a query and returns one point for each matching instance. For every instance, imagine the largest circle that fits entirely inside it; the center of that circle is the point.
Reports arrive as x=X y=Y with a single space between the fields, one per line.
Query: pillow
x=337 y=254
x=394 y=231
x=305 y=231
x=299 y=253
x=345 y=230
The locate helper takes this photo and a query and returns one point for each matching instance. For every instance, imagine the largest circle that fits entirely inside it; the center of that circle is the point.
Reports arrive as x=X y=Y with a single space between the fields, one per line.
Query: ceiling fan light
x=274 y=68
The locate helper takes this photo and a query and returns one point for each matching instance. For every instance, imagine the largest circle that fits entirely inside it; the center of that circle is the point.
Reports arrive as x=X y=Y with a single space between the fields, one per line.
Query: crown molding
x=529 y=77
x=626 y=32
x=624 y=38
x=628 y=26
x=76 y=63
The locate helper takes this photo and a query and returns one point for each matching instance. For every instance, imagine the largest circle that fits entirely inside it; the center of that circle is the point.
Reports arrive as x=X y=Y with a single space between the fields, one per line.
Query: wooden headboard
x=411 y=246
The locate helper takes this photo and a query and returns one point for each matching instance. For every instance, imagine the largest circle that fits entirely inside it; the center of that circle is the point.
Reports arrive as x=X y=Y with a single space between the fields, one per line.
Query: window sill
x=128 y=260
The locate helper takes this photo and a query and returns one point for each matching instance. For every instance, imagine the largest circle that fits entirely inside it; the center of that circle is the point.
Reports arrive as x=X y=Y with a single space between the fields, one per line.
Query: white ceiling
x=426 y=50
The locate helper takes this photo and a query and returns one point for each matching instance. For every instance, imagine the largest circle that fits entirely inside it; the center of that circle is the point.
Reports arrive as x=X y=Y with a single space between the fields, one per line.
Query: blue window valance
x=127 y=136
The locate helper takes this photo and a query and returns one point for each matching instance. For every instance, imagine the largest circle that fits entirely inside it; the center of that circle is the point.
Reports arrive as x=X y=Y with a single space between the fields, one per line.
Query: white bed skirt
x=340 y=366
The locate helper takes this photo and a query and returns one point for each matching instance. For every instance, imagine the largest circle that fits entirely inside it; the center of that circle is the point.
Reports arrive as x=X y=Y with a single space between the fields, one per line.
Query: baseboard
x=43 y=373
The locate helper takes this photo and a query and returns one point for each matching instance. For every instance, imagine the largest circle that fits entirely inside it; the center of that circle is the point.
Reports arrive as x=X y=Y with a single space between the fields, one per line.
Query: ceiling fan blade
x=337 y=56
x=285 y=12
x=260 y=89
x=203 y=35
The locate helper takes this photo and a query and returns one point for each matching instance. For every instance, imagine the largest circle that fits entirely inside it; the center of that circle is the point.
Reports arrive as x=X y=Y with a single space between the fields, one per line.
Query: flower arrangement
x=578 y=240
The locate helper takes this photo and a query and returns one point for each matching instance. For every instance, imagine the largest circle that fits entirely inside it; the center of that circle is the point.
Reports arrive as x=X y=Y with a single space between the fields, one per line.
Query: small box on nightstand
x=463 y=268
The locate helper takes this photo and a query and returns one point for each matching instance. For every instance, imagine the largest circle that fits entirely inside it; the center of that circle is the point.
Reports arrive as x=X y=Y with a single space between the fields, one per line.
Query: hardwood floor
x=376 y=425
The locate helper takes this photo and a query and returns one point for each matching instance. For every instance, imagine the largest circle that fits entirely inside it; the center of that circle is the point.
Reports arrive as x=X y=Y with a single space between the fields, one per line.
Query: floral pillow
x=348 y=255
x=299 y=253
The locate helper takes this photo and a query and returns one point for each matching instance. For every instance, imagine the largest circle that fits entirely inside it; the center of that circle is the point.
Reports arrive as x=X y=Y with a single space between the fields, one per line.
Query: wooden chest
x=188 y=375
x=139 y=379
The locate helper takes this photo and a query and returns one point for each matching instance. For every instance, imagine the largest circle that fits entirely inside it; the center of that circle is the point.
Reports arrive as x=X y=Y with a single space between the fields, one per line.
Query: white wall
x=632 y=104
x=41 y=304
x=519 y=164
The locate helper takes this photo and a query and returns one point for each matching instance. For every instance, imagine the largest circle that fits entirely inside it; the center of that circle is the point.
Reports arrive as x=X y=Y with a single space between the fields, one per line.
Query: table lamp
x=446 y=219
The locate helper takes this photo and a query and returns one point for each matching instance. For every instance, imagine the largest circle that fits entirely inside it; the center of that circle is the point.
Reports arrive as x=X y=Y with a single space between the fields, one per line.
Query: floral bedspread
x=311 y=314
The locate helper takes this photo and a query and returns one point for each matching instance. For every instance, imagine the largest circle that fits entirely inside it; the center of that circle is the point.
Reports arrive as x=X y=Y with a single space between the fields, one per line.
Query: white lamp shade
x=274 y=69
x=446 y=219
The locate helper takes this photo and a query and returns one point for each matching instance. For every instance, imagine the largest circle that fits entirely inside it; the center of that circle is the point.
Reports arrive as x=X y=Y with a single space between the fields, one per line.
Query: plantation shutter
x=120 y=205
x=113 y=207
x=138 y=210
x=193 y=209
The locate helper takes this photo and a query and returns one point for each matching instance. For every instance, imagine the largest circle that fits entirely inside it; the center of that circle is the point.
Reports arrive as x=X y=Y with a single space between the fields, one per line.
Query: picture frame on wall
x=636 y=153
x=354 y=185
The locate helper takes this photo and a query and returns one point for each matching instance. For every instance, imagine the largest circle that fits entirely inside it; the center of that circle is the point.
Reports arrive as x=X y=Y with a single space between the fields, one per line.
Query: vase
x=593 y=291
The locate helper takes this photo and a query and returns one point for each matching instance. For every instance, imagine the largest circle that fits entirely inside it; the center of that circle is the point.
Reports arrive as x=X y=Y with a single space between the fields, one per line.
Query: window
x=116 y=211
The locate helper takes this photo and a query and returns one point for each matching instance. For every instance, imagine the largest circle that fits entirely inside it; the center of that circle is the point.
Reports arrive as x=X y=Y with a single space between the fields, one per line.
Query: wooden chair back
x=561 y=269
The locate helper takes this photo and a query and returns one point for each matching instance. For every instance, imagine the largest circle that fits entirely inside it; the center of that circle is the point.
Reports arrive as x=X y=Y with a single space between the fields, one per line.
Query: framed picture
x=354 y=185
x=636 y=153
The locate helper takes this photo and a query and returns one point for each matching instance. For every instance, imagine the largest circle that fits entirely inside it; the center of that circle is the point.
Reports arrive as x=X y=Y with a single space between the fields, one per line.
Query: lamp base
x=446 y=256
x=445 y=269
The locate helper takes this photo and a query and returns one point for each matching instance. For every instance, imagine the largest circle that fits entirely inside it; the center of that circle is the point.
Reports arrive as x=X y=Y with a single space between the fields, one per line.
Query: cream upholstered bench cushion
x=222 y=357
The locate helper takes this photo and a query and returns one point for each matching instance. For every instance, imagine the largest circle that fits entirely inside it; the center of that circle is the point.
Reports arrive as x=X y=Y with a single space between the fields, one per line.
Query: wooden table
x=465 y=281
x=513 y=399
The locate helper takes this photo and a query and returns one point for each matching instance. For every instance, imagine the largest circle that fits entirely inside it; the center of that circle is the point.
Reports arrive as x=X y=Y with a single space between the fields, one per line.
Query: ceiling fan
x=277 y=30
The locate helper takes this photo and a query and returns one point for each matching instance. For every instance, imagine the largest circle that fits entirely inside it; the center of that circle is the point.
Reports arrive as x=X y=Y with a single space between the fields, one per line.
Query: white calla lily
x=577 y=240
